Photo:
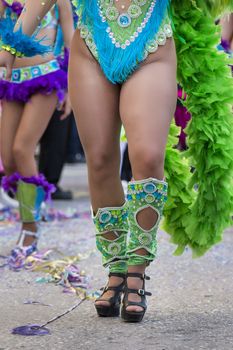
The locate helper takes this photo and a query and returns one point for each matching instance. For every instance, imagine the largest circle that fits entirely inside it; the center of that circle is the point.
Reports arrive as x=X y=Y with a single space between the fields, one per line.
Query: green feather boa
x=198 y=218
x=217 y=7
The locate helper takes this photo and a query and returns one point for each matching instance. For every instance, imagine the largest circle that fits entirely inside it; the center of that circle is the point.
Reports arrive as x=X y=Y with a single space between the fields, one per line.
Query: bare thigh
x=147 y=105
x=95 y=102
x=11 y=114
x=35 y=118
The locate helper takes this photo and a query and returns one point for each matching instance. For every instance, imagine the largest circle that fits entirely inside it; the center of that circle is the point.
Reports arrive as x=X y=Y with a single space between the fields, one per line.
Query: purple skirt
x=26 y=82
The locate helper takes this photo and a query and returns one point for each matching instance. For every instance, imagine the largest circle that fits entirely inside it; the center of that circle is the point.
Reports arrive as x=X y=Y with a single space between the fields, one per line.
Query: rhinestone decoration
x=134 y=11
x=114 y=248
x=149 y=198
x=105 y=217
x=152 y=46
x=145 y=238
x=161 y=38
x=149 y=187
x=112 y=13
x=168 y=30
x=124 y=20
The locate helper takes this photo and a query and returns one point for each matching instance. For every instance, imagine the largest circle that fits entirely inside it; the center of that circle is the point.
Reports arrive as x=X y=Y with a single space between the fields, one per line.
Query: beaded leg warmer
x=113 y=252
x=149 y=193
x=31 y=192
x=30 y=197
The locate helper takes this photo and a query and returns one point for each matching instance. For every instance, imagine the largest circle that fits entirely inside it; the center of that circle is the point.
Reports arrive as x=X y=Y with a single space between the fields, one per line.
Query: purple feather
x=226 y=45
x=64 y=60
x=10 y=183
x=16 y=7
x=45 y=84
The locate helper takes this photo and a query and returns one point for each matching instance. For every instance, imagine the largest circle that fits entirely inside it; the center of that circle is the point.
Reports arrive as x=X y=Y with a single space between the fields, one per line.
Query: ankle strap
x=140 y=291
x=142 y=276
x=25 y=233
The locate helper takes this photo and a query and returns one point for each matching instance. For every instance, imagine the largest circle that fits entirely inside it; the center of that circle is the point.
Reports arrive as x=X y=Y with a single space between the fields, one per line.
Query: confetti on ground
x=39 y=330
x=11 y=215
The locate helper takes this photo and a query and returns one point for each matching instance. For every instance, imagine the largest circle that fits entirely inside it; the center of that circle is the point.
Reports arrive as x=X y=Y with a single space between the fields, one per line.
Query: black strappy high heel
x=113 y=309
x=134 y=316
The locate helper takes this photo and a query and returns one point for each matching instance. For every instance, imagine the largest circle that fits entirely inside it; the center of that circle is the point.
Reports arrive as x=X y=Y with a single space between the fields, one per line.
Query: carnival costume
x=27 y=81
x=198 y=206
x=43 y=78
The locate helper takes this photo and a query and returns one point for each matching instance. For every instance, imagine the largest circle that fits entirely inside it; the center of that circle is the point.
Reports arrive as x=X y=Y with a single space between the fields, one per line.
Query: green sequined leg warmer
x=113 y=252
x=30 y=197
x=143 y=194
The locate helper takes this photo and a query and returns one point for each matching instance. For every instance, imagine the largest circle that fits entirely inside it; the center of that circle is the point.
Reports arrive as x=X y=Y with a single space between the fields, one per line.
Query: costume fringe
x=117 y=63
x=25 y=44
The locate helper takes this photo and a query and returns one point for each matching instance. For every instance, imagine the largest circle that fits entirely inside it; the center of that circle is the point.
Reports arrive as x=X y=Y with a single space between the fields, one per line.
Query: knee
x=147 y=162
x=20 y=152
x=101 y=164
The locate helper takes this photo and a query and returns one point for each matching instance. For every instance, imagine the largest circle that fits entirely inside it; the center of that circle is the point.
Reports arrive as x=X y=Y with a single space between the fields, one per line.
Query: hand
x=65 y=107
x=7 y=61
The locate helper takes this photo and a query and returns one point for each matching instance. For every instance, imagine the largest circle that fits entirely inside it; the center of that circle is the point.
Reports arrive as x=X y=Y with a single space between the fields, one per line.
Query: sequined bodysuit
x=120 y=39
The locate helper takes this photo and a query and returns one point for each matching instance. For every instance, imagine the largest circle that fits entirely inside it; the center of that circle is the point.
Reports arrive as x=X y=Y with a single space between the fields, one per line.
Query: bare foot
x=135 y=283
x=112 y=282
x=29 y=240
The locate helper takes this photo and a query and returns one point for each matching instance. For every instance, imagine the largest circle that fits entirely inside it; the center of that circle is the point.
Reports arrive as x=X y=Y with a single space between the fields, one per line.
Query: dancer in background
x=226 y=23
x=123 y=69
x=29 y=97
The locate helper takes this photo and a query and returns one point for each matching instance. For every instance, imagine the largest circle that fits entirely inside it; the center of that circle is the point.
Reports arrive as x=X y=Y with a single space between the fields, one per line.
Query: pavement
x=191 y=307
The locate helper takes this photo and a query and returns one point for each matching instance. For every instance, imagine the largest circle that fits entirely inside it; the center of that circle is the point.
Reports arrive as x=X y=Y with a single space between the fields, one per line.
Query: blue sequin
x=105 y=217
x=124 y=20
x=149 y=188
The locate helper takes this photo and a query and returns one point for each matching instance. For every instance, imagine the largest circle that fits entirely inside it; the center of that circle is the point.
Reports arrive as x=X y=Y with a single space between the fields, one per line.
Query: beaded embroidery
x=112 y=220
x=120 y=49
x=20 y=75
x=150 y=193
x=152 y=46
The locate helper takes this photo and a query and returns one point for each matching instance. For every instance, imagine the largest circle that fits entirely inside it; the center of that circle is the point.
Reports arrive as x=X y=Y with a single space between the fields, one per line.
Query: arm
x=2 y=9
x=66 y=21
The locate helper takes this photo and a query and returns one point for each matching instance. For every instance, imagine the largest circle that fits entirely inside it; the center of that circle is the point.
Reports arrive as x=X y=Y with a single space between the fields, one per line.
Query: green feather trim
x=180 y=198
x=218 y=7
x=206 y=78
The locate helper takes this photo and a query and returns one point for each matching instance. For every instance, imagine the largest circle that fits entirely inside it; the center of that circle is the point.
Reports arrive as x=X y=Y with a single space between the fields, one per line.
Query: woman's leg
x=227 y=29
x=35 y=117
x=95 y=102
x=147 y=105
x=11 y=115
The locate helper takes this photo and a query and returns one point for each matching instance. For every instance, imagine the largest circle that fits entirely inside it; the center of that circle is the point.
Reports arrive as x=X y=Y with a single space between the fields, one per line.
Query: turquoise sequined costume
x=120 y=42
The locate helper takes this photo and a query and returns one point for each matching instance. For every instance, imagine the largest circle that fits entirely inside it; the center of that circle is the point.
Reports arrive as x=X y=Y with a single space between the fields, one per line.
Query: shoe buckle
x=141 y=292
